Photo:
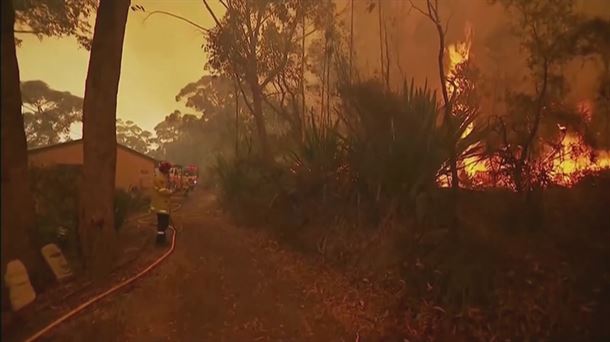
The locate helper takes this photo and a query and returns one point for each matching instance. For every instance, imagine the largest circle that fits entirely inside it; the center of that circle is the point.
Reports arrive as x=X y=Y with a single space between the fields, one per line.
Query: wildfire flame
x=575 y=158
x=572 y=160
x=569 y=160
x=459 y=53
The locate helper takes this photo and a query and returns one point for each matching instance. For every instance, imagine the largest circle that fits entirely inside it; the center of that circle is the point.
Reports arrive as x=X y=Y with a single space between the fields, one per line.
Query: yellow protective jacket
x=160 y=201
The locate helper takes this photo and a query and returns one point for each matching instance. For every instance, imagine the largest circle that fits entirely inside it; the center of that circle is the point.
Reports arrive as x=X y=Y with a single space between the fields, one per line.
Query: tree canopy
x=57 y=18
x=128 y=133
x=48 y=114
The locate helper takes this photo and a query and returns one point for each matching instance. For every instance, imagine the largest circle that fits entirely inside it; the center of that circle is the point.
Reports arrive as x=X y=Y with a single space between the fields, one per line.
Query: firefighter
x=161 y=200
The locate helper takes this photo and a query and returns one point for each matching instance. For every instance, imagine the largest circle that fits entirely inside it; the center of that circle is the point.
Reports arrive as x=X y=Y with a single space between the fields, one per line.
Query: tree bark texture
x=96 y=222
x=18 y=224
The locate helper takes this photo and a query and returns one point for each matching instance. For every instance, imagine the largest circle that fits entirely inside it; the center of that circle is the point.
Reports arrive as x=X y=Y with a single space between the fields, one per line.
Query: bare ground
x=228 y=283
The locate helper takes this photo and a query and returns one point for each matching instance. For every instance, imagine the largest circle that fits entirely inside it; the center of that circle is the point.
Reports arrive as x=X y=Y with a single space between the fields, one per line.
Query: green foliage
x=48 y=114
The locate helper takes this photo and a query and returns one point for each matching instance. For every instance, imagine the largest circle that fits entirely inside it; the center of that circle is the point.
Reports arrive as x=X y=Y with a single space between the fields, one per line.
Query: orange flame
x=572 y=161
x=575 y=159
x=459 y=53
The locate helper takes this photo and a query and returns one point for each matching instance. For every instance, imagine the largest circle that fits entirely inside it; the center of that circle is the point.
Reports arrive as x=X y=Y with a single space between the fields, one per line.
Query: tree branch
x=418 y=9
x=28 y=32
x=205 y=3
x=280 y=67
x=243 y=93
x=201 y=28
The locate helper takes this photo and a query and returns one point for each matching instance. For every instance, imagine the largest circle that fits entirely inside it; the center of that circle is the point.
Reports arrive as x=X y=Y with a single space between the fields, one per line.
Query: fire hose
x=110 y=291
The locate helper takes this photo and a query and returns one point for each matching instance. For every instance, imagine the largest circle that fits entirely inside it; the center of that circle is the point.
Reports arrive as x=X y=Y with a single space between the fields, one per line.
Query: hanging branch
x=192 y=23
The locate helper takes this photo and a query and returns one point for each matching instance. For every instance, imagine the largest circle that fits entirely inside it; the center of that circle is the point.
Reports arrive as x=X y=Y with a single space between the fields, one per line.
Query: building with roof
x=133 y=169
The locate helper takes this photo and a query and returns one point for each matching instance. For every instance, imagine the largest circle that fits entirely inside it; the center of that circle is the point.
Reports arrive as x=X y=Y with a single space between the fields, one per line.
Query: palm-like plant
x=393 y=143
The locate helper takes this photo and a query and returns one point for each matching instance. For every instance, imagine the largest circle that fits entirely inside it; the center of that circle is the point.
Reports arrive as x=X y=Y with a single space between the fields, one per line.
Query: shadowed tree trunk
x=259 y=119
x=351 y=41
x=18 y=235
x=303 y=61
x=96 y=228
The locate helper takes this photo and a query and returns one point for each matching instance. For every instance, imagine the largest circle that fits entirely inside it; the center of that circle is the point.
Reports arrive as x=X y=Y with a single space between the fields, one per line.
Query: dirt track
x=219 y=285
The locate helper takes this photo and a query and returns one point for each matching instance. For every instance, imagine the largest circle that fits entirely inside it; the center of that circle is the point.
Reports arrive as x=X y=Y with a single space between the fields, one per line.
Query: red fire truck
x=192 y=176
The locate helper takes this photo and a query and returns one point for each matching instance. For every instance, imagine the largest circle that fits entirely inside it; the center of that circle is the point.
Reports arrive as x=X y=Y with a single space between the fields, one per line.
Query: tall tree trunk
x=257 y=104
x=236 y=92
x=97 y=228
x=328 y=65
x=351 y=42
x=382 y=71
x=387 y=58
x=303 y=117
x=448 y=110
x=18 y=227
x=324 y=78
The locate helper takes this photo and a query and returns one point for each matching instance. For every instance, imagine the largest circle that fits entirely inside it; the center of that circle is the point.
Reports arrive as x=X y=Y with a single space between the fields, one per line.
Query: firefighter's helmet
x=164 y=167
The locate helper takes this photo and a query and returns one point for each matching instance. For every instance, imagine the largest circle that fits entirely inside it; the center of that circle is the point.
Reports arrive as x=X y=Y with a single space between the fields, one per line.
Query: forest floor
x=230 y=283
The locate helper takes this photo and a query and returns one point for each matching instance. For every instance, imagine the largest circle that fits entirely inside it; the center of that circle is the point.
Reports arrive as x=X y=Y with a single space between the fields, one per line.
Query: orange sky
x=160 y=56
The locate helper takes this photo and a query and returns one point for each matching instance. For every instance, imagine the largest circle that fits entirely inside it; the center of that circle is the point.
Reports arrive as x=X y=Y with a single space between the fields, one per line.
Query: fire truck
x=191 y=175
x=175 y=177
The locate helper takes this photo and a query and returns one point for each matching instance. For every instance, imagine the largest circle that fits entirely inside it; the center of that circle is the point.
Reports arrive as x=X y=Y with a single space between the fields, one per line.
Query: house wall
x=69 y=154
x=132 y=170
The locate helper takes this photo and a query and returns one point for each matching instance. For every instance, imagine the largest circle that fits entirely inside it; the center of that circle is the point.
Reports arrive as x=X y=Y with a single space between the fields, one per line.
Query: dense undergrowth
x=56 y=195
x=360 y=194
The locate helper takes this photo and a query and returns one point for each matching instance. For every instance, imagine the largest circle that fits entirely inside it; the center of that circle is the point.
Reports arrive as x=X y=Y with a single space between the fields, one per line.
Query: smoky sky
x=413 y=41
